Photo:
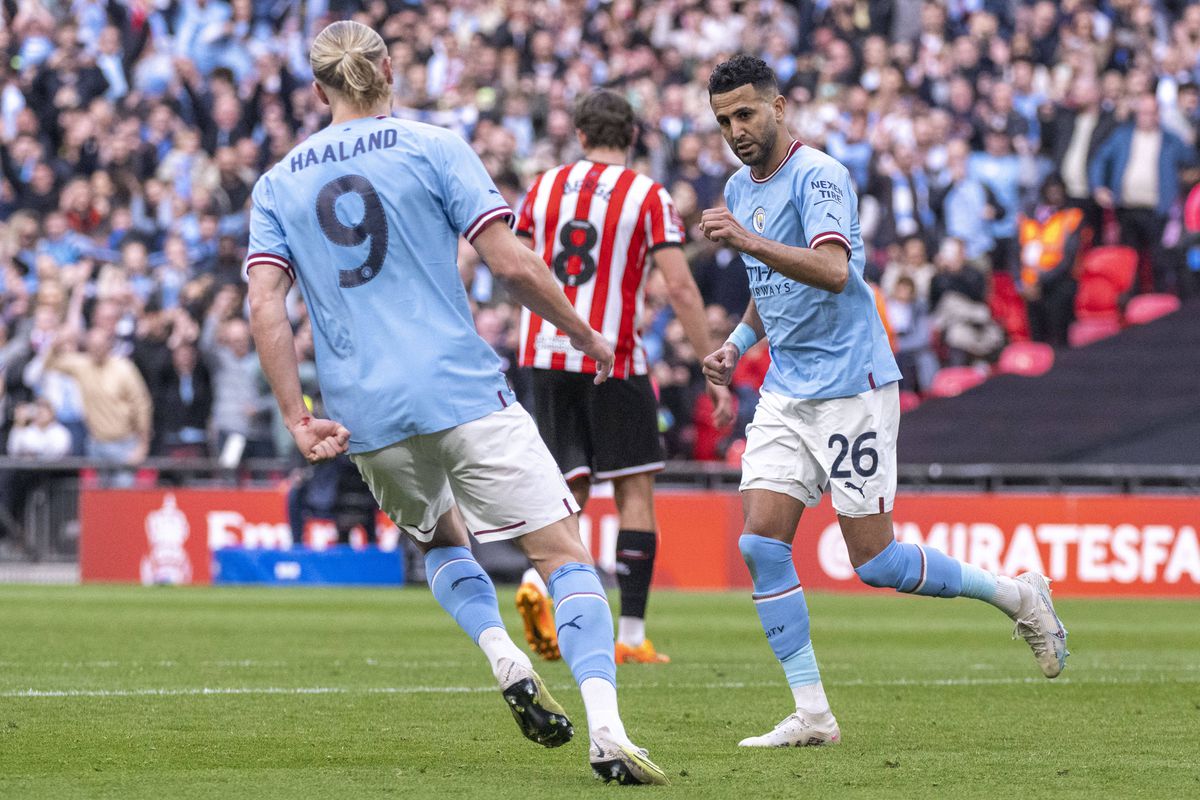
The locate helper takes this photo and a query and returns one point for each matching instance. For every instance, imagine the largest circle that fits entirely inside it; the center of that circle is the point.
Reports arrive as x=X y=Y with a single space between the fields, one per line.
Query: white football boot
x=622 y=762
x=799 y=730
x=1038 y=625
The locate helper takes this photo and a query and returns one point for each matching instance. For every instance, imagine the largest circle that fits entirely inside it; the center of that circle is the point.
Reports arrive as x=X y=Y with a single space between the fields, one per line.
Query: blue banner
x=335 y=566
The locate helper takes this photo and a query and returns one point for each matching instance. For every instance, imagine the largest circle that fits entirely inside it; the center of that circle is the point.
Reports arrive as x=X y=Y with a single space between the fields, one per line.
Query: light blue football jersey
x=366 y=215
x=823 y=345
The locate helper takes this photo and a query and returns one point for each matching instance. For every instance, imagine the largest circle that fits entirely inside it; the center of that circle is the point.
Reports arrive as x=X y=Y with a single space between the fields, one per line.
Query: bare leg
x=554 y=546
x=866 y=537
x=451 y=531
x=581 y=489
x=771 y=514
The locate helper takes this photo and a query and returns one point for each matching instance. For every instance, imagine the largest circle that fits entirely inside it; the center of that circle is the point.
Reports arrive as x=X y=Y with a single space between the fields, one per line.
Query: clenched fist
x=719 y=225
x=718 y=366
x=320 y=439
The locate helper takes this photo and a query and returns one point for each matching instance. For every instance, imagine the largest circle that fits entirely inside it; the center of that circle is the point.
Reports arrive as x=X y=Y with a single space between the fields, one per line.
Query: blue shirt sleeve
x=268 y=243
x=469 y=196
x=822 y=197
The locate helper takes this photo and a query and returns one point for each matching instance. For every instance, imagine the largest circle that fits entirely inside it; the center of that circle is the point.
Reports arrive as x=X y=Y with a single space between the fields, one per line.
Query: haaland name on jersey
x=339 y=151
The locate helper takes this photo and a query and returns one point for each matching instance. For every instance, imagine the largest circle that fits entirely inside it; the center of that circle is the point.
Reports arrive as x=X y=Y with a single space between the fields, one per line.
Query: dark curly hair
x=606 y=119
x=739 y=71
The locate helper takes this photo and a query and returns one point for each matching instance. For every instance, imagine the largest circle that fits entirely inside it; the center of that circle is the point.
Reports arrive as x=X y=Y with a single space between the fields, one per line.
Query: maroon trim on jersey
x=503 y=402
x=635 y=265
x=270 y=259
x=830 y=236
x=796 y=145
x=871 y=379
x=583 y=207
x=616 y=205
x=485 y=219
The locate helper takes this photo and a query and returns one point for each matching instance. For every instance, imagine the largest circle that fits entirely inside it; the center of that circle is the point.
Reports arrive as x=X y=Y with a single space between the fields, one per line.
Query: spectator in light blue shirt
x=853 y=149
x=965 y=208
x=1026 y=99
x=199 y=24
x=61 y=243
x=998 y=169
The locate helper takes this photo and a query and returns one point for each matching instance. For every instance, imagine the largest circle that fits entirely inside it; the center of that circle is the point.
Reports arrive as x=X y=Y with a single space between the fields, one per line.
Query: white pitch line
x=405 y=690
x=243 y=663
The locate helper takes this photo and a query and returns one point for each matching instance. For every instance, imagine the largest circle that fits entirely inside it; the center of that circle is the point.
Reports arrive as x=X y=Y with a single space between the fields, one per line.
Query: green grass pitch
x=290 y=693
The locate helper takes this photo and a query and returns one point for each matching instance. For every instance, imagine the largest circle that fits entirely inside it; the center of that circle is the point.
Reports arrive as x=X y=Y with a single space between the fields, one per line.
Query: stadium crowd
x=132 y=132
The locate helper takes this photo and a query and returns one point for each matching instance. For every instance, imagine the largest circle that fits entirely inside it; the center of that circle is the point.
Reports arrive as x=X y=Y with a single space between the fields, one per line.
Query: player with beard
x=829 y=410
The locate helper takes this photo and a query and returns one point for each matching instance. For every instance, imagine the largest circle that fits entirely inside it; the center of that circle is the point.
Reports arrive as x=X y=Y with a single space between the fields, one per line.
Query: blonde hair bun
x=345 y=58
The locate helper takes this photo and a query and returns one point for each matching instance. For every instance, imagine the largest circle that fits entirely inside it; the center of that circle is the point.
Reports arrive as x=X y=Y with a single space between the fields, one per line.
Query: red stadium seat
x=1105 y=274
x=909 y=401
x=1191 y=210
x=1097 y=299
x=1149 y=307
x=953 y=381
x=1085 y=331
x=1117 y=264
x=1028 y=359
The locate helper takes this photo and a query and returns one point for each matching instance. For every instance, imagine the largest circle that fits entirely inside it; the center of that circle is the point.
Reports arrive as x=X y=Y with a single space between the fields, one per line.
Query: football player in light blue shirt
x=365 y=216
x=829 y=410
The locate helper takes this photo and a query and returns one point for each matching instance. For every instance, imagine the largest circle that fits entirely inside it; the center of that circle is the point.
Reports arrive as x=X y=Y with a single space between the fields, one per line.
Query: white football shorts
x=496 y=468
x=848 y=444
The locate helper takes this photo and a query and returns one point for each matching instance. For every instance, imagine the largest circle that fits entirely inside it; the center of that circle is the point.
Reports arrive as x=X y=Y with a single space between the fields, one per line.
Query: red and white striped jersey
x=595 y=226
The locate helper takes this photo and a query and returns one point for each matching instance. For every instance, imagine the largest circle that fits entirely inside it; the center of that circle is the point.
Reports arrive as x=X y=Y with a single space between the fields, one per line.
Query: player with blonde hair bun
x=366 y=216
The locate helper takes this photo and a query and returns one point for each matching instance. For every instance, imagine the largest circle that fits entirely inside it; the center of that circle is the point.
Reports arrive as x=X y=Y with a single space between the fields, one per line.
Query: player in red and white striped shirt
x=595 y=224
x=600 y=226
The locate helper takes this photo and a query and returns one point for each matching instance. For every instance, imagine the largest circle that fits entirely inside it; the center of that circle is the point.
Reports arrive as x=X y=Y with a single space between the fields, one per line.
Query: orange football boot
x=537 y=614
x=646 y=654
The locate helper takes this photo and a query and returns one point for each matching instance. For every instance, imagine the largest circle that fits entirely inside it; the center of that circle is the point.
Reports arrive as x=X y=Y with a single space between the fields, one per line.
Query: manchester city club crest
x=760 y=219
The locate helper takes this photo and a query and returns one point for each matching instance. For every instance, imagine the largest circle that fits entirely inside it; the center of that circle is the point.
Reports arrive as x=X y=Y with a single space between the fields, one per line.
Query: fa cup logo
x=166 y=531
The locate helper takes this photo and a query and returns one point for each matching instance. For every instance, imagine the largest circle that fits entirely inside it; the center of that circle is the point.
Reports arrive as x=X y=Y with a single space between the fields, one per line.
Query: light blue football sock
x=801 y=667
x=913 y=569
x=462 y=588
x=977 y=583
x=584 y=622
x=779 y=600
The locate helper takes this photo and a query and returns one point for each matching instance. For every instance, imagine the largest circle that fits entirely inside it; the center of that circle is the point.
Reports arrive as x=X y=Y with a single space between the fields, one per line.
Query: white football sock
x=810 y=699
x=1008 y=595
x=600 y=701
x=631 y=631
x=496 y=644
